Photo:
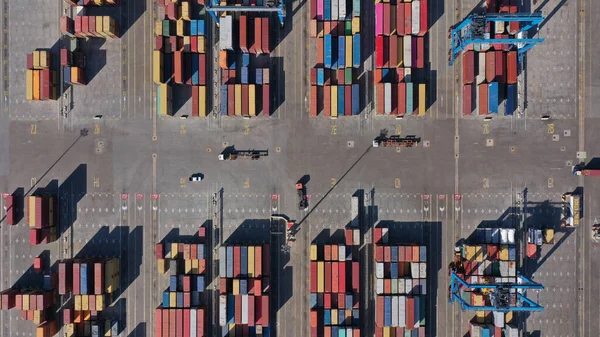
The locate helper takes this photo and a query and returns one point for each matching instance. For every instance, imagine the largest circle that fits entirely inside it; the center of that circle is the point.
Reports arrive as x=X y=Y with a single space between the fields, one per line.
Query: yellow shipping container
x=334 y=101
x=36 y=59
x=87 y=315
x=157 y=27
x=29 y=84
x=548 y=235
x=164 y=109
x=504 y=252
x=236 y=287
x=251 y=259
x=78 y=302
x=480 y=317
x=174 y=250
x=161 y=266
x=202 y=101
x=31 y=207
x=99 y=302
x=313 y=252
x=37 y=317
x=85 y=302
x=44 y=59
x=348 y=51
x=100 y=29
x=508 y=317
x=238 y=99
x=173 y=299
x=188 y=266
x=26 y=301
x=109 y=26
x=422 y=99
x=158 y=66
x=334 y=317
x=355 y=25
x=320 y=276
x=107 y=328
x=185 y=10
x=180 y=30
x=195 y=264
x=36 y=85
x=70 y=330
x=252 y=99
x=386 y=331
x=201 y=45
x=186 y=43
x=478 y=254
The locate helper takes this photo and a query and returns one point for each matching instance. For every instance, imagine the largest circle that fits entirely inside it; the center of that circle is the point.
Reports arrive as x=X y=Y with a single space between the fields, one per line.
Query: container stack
x=335 y=288
x=32 y=304
x=41 y=219
x=93 y=3
x=245 y=84
x=334 y=88
x=180 y=57
x=181 y=313
x=244 y=308
x=400 y=29
x=401 y=286
x=92 y=284
x=40 y=79
x=10 y=209
x=490 y=70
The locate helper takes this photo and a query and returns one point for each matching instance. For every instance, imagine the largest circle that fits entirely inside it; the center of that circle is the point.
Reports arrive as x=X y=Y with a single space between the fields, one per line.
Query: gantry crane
x=473 y=30
x=269 y=6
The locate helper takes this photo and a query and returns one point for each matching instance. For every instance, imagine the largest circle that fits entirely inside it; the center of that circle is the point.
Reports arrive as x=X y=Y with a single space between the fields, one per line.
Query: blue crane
x=269 y=6
x=472 y=30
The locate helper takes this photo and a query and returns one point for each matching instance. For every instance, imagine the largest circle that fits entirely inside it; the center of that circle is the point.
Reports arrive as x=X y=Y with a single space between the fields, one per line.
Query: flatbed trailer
x=396 y=141
x=243 y=154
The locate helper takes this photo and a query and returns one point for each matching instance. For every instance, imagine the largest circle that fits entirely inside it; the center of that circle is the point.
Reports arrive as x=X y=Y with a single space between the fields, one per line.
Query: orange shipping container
x=36 y=84
x=313 y=101
x=483 y=99
x=327 y=101
x=511 y=66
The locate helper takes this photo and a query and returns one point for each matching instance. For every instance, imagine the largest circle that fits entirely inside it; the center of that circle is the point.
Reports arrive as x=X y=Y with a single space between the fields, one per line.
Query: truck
x=243 y=154
x=571 y=210
x=302 y=198
x=580 y=170
x=396 y=141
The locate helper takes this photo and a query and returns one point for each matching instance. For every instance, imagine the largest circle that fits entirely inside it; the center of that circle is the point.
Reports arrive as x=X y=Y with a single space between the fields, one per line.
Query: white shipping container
x=379 y=286
x=356 y=237
x=387 y=97
x=423 y=285
x=414 y=269
x=408 y=286
x=384 y=235
x=401 y=286
x=348 y=331
x=503 y=236
x=394 y=285
x=503 y=268
x=402 y=311
x=422 y=270
x=354 y=211
x=80 y=10
x=335 y=10
x=511 y=331
x=480 y=268
x=498 y=319
x=485 y=46
x=222 y=310
x=342 y=9
x=341 y=253
x=500 y=27
x=222 y=261
x=379 y=270
x=512 y=268
x=395 y=310
x=407 y=75
x=407 y=53
x=475 y=330
x=226 y=33
x=244 y=309
x=193 y=316
x=416 y=22
x=511 y=236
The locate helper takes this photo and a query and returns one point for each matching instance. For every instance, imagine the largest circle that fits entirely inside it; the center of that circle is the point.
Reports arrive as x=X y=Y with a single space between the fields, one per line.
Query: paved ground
x=489 y=165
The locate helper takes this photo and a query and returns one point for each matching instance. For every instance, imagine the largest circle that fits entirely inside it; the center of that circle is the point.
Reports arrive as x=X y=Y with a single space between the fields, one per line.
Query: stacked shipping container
x=83 y=26
x=245 y=88
x=181 y=313
x=244 y=290
x=10 y=209
x=335 y=288
x=334 y=88
x=401 y=286
x=180 y=56
x=400 y=29
x=40 y=79
x=41 y=219
x=490 y=71
x=93 y=3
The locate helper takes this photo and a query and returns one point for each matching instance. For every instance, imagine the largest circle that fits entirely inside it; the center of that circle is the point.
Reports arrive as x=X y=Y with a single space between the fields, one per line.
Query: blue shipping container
x=349 y=302
x=417 y=311
x=313 y=300
x=422 y=309
x=394 y=253
x=327 y=316
x=341 y=317
x=224 y=331
x=394 y=270
x=166 y=299
x=224 y=113
x=200 y=282
x=200 y=251
x=334 y=331
x=201 y=27
x=244 y=81
x=173 y=283
x=409 y=99
x=244 y=262
x=320 y=300
x=355 y=317
x=195 y=298
x=356 y=50
x=259 y=76
x=511 y=99
x=340 y=106
x=342 y=332
x=485 y=331
x=493 y=97
x=230 y=309
x=229 y=261
x=84 y=278
x=320 y=76
x=355 y=100
x=195 y=77
x=387 y=311
x=245 y=60
x=512 y=253
x=67 y=74
x=179 y=297
x=231 y=61
x=244 y=287
x=327 y=10
x=327 y=49
x=356 y=8
x=341 y=60
x=193 y=28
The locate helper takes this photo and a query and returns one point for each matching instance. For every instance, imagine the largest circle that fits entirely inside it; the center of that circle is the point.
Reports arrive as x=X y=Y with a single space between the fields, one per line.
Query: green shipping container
x=166 y=28
x=348 y=76
x=409 y=98
x=348 y=28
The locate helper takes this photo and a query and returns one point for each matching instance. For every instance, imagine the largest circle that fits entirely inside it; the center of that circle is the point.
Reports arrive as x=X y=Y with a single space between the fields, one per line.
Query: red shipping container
x=327 y=331
x=313 y=318
x=401 y=99
x=195 y=98
x=401 y=254
x=76 y=277
x=492 y=252
x=348 y=100
x=379 y=311
x=420 y=52
x=172 y=11
x=186 y=283
x=379 y=57
x=379 y=253
x=34 y=236
x=178 y=322
x=355 y=277
x=10 y=210
x=407 y=18
x=410 y=313
x=245 y=98
x=250 y=311
x=313 y=101
x=265 y=36
x=92 y=27
x=400 y=19
x=165 y=319
x=78 y=26
x=258 y=262
x=158 y=318
x=468 y=66
x=424 y=24
x=483 y=99
x=236 y=261
x=511 y=66
x=387 y=284
x=98 y=278
x=265 y=310
x=320 y=55
x=92 y=301
x=514 y=27
x=33 y=302
x=380 y=98
x=200 y=317
x=386 y=18
x=172 y=323
x=313 y=76
x=266 y=100
x=334 y=248
x=500 y=74
x=19 y=302
x=334 y=277
x=327 y=277
x=387 y=253
x=313 y=276
x=160 y=250
x=243 y=33
x=85 y=26
x=237 y=317
x=178 y=67
x=393 y=49
x=186 y=322
x=378 y=233
x=467 y=99
x=66 y=25
x=490 y=66
x=313 y=9
x=327 y=101
x=258 y=310
x=258 y=36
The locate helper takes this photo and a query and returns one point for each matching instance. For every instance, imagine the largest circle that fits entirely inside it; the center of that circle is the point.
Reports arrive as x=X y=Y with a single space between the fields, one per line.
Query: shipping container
x=493 y=97
x=483 y=99
x=490 y=66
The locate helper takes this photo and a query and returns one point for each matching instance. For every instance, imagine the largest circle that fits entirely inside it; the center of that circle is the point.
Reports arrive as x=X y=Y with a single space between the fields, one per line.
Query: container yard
x=401 y=287
x=244 y=288
x=400 y=55
x=335 y=287
x=41 y=219
x=182 y=312
x=244 y=58
x=40 y=77
x=334 y=83
x=180 y=56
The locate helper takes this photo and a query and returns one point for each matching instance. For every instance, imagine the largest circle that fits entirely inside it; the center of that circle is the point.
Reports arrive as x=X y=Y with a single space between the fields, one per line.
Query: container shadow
x=130 y=12
x=251 y=231
x=70 y=192
x=181 y=95
x=277 y=84
x=436 y=9
x=139 y=330
x=95 y=57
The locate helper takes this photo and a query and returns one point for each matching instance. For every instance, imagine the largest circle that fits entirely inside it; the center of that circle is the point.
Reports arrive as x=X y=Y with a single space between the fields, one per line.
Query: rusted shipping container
x=490 y=66
x=511 y=67
x=500 y=67
x=313 y=101
x=243 y=24
x=266 y=48
x=401 y=99
x=407 y=18
x=468 y=65
x=258 y=35
x=467 y=99
x=379 y=91
x=178 y=67
x=483 y=99
x=420 y=51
